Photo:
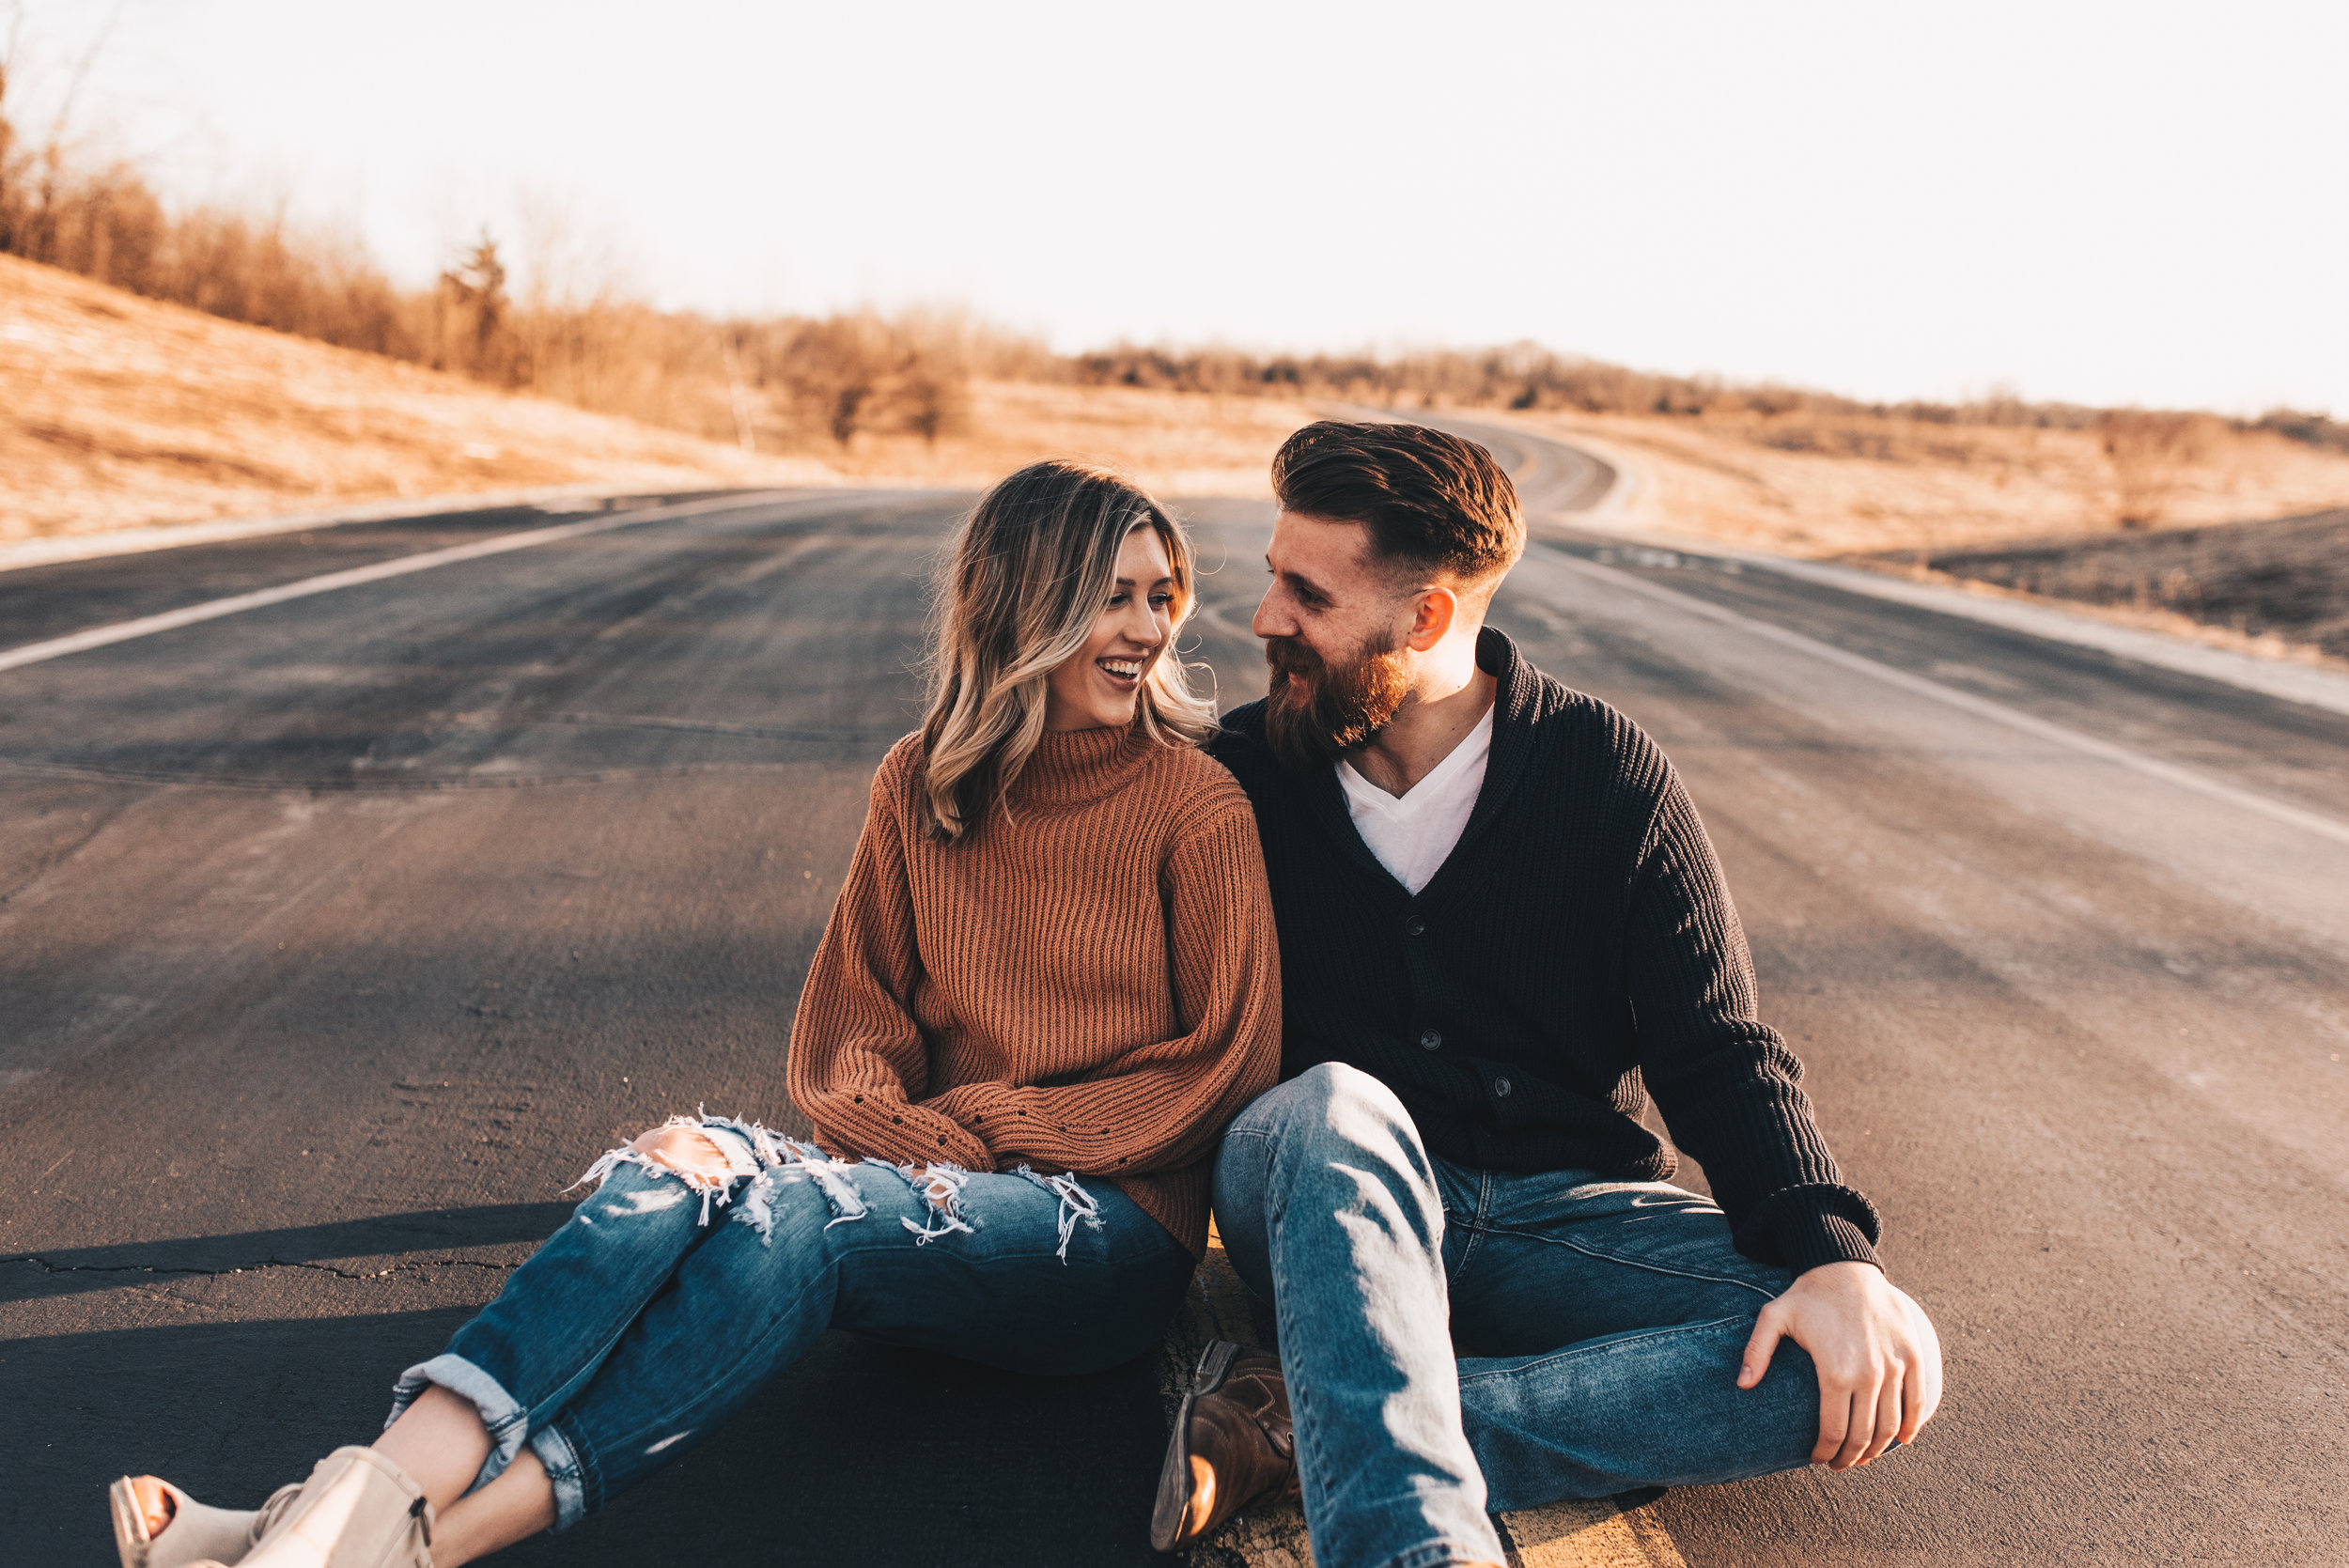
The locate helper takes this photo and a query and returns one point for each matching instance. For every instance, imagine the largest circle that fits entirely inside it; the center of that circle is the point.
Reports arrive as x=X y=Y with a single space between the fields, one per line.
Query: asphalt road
x=337 y=936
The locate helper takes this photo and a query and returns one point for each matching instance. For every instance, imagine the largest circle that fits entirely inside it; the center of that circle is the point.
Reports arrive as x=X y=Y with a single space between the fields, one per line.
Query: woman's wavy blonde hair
x=1029 y=570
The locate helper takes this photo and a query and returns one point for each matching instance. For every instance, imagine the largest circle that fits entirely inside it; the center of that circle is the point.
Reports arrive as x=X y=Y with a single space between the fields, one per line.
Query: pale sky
x=2124 y=202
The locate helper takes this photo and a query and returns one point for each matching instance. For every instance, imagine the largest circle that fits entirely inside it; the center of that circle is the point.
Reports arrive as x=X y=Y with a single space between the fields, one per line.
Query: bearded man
x=1502 y=927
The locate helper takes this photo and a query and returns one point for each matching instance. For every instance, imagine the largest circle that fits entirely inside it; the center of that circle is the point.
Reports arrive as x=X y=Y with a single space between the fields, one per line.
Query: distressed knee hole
x=688 y=1151
x=683 y=1149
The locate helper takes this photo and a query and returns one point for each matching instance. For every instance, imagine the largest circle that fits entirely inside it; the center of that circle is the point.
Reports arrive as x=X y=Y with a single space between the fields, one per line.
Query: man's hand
x=1880 y=1360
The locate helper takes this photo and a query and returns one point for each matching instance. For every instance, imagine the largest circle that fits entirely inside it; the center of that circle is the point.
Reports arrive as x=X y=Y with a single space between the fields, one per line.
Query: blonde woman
x=1049 y=981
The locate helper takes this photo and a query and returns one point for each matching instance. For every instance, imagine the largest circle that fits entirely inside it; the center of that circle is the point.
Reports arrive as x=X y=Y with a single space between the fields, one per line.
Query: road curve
x=338 y=935
x=1553 y=479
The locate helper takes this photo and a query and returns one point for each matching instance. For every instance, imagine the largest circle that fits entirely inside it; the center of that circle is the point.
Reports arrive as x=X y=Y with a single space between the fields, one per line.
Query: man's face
x=1334 y=621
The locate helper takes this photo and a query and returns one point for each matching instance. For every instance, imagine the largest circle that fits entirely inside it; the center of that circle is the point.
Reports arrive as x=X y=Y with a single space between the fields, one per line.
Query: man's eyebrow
x=1298 y=578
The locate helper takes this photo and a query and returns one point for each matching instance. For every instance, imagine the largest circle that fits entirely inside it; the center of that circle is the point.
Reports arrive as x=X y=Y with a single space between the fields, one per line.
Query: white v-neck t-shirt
x=1413 y=833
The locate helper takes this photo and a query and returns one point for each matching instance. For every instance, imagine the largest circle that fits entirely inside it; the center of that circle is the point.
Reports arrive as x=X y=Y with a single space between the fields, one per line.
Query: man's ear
x=1432 y=615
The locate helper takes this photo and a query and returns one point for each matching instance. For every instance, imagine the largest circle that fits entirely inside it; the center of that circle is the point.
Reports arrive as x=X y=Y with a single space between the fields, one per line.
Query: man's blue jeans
x=1457 y=1341
x=645 y=1322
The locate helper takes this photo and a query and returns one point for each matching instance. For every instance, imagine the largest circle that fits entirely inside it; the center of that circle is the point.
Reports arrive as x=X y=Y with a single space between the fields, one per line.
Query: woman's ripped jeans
x=589 y=1358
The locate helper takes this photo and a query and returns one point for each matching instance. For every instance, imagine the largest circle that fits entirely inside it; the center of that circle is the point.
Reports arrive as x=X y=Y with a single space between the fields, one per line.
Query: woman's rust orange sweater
x=1089 y=982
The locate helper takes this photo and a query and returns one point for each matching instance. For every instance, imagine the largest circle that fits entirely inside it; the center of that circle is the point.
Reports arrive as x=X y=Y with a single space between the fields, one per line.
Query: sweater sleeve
x=858 y=1062
x=1727 y=1086
x=1162 y=1105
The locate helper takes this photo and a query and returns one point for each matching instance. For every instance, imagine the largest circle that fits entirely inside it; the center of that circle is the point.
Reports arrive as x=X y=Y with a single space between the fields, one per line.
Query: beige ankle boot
x=197 y=1532
x=358 y=1509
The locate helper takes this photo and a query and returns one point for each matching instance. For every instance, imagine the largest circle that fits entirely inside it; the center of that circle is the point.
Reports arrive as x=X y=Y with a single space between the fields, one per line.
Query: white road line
x=56 y=550
x=2310 y=685
x=2152 y=768
x=147 y=625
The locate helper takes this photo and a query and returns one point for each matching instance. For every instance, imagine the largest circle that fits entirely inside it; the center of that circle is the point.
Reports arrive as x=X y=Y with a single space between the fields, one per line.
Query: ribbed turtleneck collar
x=1070 y=767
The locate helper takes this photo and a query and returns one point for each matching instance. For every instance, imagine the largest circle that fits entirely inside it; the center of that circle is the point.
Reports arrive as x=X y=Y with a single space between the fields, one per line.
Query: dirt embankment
x=116 y=410
x=1855 y=485
x=119 y=412
x=2284 y=582
x=2250 y=547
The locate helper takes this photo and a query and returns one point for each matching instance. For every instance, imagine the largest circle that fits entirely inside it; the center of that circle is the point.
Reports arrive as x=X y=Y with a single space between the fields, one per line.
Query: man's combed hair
x=1432 y=500
x=1031 y=569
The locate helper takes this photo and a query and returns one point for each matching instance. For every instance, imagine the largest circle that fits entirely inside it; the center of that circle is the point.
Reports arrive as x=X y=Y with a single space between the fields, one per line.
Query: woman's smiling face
x=1101 y=687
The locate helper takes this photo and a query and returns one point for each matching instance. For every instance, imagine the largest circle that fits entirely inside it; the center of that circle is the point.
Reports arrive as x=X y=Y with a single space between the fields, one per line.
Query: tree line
x=808 y=382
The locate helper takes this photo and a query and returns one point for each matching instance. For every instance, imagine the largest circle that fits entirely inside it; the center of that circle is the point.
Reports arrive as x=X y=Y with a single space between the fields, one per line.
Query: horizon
x=1890 y=207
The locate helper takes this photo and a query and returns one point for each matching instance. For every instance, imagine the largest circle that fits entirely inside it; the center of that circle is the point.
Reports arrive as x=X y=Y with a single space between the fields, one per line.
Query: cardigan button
x=1414 y=926
x=1501 y=1088
x=1430 y=1040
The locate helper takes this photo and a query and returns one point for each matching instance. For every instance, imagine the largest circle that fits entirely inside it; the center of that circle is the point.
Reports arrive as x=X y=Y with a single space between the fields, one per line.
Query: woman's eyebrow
x=1128 y=581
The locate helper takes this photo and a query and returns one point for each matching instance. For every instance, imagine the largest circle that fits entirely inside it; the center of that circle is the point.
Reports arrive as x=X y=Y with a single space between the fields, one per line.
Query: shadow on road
x=862 y=1453
x=386 y=1237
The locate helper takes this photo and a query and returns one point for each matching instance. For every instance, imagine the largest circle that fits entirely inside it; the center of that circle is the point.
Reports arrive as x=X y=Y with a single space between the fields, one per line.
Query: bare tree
x=2150 y=453
x=937 y=404
x=739 y=396
x=476 y=307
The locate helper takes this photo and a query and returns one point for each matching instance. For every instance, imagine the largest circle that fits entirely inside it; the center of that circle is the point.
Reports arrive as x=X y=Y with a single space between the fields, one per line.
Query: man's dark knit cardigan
x=1578 y=943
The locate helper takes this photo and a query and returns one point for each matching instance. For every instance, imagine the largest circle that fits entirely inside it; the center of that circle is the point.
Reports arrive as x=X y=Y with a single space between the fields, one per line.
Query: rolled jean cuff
x=505 y=1420
x=563 y=1472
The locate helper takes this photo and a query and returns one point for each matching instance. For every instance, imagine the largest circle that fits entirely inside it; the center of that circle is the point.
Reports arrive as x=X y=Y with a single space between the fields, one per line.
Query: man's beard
x=1317 y=713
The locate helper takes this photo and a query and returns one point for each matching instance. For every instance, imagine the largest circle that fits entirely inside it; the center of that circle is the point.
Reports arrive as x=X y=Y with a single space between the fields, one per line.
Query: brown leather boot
x=1231 y=1445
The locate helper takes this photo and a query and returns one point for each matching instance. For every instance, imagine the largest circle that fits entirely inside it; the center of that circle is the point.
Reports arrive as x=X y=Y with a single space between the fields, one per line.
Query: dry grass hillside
x=2237 y=538
x=1179 y=444
x=1869 y=484
x=118 y=410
